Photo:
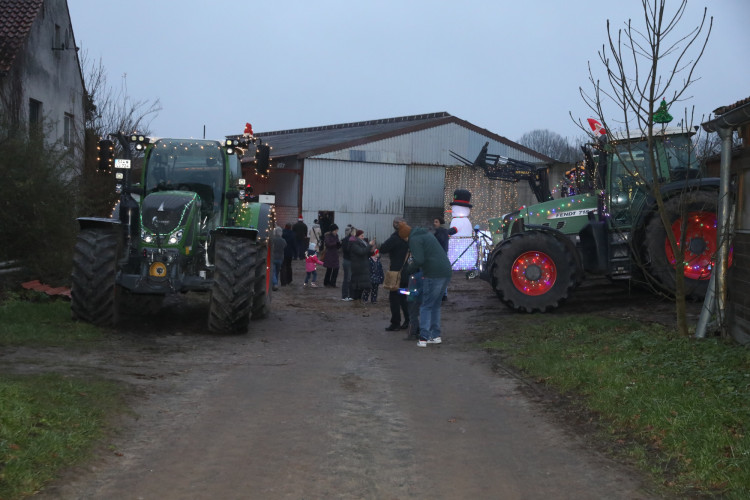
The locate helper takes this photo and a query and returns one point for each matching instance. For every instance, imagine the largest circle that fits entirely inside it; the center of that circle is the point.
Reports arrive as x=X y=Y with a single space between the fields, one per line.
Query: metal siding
x=425 y=186
x=365 y=195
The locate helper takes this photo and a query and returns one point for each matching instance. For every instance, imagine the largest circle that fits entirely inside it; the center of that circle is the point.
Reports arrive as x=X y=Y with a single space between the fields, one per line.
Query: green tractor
x=608 y=224
x=191 y=224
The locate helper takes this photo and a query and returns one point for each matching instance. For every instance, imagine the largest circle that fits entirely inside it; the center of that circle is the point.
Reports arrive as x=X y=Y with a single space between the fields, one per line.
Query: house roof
x=307 y=142
x=15 y=23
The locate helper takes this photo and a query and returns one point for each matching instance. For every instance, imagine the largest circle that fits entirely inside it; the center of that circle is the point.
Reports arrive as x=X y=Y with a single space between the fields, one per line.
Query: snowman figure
x=462 y=257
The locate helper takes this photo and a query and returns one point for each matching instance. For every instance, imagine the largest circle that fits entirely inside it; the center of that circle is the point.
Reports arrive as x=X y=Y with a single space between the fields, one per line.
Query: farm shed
x=735 y=167
x=365 y=173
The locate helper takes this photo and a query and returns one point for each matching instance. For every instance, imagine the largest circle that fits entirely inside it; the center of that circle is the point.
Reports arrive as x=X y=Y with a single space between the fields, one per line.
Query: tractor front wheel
x=94 y=292
x=533 y=272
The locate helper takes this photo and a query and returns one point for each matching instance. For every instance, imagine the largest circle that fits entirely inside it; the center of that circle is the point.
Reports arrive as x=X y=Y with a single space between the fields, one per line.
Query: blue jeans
x=276 y=269
x=313 y=274
x=346 y=264
x=429 y=312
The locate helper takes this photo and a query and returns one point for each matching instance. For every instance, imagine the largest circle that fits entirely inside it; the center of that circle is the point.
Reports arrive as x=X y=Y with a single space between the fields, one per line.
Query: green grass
x=679 y=407
x=47 y=421
x=44 y=322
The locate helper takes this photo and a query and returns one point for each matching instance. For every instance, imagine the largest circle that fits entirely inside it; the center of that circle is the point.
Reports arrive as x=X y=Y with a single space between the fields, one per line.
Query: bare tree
x=551 y=144
x=109 y=110
x=643 y=67
x=112 y=110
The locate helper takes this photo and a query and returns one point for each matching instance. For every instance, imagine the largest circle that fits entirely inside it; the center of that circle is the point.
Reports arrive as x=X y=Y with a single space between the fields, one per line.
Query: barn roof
x=15 y=24
x=307 y=142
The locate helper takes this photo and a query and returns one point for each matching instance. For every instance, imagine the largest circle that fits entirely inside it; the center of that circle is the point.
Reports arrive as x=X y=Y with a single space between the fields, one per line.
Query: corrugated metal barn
x=366 y=173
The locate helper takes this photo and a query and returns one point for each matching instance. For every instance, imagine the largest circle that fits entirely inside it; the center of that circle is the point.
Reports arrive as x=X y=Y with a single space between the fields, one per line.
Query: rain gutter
x=724 y=125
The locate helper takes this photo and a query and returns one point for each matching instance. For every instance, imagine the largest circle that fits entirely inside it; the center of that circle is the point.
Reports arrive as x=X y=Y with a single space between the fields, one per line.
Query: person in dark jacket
x=443 y=236
x=278 y=245
x=346 y=262
x=429 y=257
x=396 y=248
x=331 y=258
x=290 y=252
x=300 y=237
x=441 y=233
x=360 y=251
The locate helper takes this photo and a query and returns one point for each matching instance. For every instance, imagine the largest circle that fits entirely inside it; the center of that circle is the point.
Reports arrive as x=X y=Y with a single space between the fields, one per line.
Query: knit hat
x=404 y=230
x=359 y=232
x=311 y=247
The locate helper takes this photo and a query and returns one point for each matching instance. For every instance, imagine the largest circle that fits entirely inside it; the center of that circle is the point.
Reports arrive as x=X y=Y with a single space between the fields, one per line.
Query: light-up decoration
x=461 y=249
x=534 y=273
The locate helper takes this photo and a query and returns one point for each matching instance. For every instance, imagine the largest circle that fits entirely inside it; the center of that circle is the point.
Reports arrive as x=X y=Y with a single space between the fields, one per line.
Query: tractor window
x=187 y=165
x=679 y=157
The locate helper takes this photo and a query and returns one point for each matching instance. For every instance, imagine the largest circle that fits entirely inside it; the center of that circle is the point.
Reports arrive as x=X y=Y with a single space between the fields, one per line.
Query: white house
x=41 y=84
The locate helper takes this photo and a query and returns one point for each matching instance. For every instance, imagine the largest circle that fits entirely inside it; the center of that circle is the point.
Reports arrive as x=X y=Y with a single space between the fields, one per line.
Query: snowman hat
x=461 y=197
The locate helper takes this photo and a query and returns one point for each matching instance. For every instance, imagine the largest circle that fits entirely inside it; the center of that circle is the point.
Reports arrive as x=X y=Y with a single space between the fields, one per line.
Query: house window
x=35 y=115
x=68 y=130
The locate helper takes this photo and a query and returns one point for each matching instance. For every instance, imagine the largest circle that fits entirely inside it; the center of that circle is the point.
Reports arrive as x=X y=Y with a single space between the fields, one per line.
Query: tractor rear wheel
x=700 y=242
x=533 y=271
x=94 y=292
x=231 y=298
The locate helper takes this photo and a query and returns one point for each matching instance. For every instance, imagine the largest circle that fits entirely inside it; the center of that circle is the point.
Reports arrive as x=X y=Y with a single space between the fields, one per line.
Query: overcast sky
x=508 y=66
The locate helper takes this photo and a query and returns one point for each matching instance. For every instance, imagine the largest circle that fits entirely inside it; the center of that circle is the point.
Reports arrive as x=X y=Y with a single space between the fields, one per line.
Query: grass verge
x=676 y=406
x=43 y=322
x=47 y=421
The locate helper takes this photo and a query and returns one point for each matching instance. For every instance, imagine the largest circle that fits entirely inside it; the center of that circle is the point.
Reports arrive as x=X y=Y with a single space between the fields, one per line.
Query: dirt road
x=320 y=402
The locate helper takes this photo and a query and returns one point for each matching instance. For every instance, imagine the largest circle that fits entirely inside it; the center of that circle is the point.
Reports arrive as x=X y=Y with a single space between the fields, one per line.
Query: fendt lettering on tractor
x=190 y=224
x=609 y=225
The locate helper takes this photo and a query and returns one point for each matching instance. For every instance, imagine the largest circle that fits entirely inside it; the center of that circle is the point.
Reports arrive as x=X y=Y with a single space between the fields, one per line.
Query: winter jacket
x=428 y=255
x=311 y=261
x=360 y=252
x=289 y=251
x=278 y=247
x=300 y=230
x=377 y=276
x=396 y=248
x=315 y=235
x=442 y=236
x=331 y=257
x=345 y=242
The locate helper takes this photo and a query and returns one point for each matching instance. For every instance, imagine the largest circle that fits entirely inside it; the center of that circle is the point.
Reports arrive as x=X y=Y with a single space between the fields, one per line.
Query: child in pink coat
x=311 y=264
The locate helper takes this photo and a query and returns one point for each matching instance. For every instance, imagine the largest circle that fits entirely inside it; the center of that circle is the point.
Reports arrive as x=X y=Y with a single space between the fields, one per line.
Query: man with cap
x=396 y=248
x=428 y=256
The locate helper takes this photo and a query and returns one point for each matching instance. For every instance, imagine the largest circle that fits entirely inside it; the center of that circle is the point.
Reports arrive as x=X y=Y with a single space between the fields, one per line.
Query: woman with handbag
x=397 y=250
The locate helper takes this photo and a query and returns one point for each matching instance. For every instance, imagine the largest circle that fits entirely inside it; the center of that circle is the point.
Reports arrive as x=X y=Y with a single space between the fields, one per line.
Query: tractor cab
x=630 y=175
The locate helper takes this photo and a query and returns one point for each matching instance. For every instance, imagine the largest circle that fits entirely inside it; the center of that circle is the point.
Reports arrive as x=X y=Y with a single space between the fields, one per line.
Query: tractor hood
x=166 y=211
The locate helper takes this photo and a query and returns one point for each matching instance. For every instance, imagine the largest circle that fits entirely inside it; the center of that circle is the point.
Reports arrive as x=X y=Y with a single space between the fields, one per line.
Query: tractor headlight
x=146 y=236
x=175 y=237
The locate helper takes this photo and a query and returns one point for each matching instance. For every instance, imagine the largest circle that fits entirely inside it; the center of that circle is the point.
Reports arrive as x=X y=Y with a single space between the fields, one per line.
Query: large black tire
x=94 y=291
x=231 y=298
x=533 y=272
x=262 y=285
x=700 y=242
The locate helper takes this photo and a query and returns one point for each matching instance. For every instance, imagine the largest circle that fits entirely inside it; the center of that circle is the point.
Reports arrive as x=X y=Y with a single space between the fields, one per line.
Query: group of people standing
x=419 y=253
